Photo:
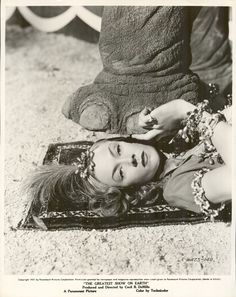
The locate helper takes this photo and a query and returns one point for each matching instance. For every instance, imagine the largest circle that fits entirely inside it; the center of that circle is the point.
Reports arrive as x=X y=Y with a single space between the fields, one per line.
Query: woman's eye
x=118 y=149
x=121 y=173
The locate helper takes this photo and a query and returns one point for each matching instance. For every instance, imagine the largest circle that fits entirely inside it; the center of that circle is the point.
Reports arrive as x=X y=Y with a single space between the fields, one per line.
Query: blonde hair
x=59 y=188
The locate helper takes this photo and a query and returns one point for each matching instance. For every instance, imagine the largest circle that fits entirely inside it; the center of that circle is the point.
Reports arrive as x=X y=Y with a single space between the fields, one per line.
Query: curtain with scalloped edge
x=83 y=22
x=55 y=23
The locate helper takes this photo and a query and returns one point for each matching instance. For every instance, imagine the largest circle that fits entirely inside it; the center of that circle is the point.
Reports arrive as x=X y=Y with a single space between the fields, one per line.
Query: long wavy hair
x=59 y=188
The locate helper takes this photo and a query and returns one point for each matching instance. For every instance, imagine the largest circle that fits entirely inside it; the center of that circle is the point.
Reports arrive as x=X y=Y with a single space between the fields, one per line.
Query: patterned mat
x=159 y=214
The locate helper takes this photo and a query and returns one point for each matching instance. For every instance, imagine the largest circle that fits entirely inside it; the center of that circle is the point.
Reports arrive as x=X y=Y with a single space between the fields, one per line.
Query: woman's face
x=123 y=164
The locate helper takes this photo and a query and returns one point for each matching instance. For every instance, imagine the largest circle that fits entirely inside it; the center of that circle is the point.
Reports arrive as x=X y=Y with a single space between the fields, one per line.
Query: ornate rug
x=159 y=214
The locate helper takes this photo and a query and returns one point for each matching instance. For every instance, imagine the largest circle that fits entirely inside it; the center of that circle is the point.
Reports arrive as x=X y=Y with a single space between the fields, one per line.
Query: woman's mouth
x=144 y=159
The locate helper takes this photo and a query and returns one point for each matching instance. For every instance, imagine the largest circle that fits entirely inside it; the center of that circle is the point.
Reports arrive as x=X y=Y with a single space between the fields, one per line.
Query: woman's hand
x=165 y=119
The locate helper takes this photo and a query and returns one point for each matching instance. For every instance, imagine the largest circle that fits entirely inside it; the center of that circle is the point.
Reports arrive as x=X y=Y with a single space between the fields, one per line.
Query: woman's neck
x=161 y=166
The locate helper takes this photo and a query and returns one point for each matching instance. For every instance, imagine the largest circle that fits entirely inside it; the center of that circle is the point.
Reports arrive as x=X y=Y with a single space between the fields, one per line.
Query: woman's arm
x=222 y=131
x=167 y=119
x=216 y=183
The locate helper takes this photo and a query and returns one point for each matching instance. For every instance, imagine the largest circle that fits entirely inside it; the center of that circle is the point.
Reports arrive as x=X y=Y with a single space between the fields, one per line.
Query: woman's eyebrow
x=113 y=172
x=111 y=152
x=115 y=168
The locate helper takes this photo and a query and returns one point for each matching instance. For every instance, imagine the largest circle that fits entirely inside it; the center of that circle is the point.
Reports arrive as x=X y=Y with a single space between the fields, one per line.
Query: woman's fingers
x=145 y=119
x=145 y=111
x=157 y=127
x=149 y=135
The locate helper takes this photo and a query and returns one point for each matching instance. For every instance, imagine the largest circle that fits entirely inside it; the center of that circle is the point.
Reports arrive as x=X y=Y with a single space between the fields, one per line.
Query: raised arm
x=221 y=131
x=166 y=119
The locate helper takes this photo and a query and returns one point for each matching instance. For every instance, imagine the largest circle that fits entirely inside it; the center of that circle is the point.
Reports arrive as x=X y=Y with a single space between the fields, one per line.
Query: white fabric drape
x=56 y=23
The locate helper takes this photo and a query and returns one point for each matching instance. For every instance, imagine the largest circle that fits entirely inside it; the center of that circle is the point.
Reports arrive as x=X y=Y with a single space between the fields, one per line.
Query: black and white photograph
x=117 y=147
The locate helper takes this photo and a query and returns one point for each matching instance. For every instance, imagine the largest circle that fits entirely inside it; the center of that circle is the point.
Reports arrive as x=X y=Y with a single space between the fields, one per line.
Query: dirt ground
x=41 y=71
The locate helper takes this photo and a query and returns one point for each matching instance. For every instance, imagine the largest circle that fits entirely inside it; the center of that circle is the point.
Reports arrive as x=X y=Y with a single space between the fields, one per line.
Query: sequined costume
x=179 y=174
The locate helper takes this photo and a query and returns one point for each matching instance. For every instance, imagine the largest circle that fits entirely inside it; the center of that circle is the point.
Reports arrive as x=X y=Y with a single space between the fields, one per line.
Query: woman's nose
x=129 y=160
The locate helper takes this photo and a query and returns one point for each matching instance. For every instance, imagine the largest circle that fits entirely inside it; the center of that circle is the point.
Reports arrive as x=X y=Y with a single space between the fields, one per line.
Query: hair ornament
x=84 y=164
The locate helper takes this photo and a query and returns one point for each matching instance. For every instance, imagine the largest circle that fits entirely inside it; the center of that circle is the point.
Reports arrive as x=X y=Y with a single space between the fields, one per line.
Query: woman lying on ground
x=118 y=173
